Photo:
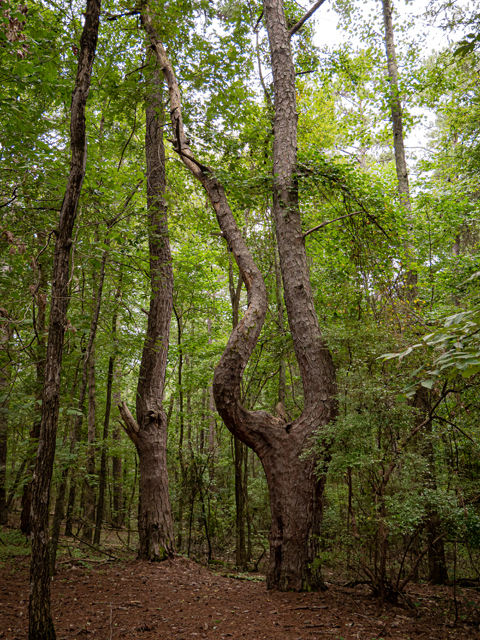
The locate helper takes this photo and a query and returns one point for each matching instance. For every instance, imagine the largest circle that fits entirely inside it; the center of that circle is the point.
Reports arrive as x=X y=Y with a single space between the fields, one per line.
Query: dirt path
x=182 y=600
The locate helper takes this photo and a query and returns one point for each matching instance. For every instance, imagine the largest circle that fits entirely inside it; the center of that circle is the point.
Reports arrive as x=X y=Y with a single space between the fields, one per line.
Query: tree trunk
x=102 y=480
x=396 y=107
x=398 y=135
x=89 y=512
x=41 y=625
x=40 y=301
x=437 y=564
x=149 y=431
x=76 y=431
x=5 y=335
x=238 y=447
x=295 y=491
x=118 y=509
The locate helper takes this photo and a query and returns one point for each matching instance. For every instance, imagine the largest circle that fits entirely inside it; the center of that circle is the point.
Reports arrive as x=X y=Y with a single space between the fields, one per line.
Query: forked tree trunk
x=149 y=431
x=295 y=491
x=41 y=626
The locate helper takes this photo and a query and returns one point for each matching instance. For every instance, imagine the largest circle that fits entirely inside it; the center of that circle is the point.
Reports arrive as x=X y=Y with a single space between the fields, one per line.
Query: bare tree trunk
x=437 y=564
x=118 y=510
x=282 y=377
x=398 y=135
x=5 y=335
x=295 y=491
x=102 y=480
x=89 y=512
x=40 y=301
x=149 y=431
x=238 y=447
x=41 y=625
x=396 y=107
x=77 y=427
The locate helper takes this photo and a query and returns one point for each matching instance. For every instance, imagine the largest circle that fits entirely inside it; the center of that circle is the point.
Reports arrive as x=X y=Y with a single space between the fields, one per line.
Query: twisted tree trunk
x=295 y=491
x=149 y=431
x=41 y=625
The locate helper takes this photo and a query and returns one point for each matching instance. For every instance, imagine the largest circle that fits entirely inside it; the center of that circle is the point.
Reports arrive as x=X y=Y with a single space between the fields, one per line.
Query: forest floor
x=179 y=599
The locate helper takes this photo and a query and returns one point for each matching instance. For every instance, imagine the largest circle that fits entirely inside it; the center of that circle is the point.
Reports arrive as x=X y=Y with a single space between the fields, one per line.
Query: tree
x=149 y=431
x=41 y=624
x=295 y=490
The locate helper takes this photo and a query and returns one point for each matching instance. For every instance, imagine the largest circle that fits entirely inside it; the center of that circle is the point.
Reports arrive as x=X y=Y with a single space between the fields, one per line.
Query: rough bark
x=41 y=626
x=149 y=431
x=295 y=491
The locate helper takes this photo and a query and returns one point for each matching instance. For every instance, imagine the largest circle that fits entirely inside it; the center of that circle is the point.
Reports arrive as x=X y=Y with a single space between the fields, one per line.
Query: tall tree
x=149 y=431
x=295 y=490
x=41 y=626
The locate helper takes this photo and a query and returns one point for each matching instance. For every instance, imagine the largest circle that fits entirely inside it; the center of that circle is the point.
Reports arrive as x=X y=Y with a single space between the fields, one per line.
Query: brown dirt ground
x=182 y=600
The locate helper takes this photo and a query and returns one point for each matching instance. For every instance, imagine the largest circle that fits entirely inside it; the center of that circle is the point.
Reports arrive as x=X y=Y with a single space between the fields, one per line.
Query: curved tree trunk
x=295 y=490
x=149 y=431
x=41 y=625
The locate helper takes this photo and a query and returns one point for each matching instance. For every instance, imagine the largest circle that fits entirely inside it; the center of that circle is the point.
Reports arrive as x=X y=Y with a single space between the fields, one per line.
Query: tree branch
x=324 y=224
x=129 y=423
x=301 y=22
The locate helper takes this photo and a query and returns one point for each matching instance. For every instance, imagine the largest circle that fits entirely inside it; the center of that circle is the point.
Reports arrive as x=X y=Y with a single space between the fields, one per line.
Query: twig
x=106 y=553
x=301 y=22
x=324 y=224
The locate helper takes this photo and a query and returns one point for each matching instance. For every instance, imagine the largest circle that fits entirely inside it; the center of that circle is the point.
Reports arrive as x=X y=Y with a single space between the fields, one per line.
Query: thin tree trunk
x=238 y=447
x=89 y=512
x=398 y=134
x=282 y=376
x=5 y=335
x=118 y=509
x=102 y=480
x=41 y=626
x=295 y=491
x=437 y=564
x=149 y=431
x=40 y=301
x=396 y=107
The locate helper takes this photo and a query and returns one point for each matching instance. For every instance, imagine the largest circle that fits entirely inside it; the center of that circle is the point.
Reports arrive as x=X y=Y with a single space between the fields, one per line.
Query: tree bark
x=149 y=431
x=41 y=626
x=295 y=491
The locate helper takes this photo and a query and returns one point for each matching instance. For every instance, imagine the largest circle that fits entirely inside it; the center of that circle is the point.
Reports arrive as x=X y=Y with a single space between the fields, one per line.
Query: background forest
x=395 y=276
